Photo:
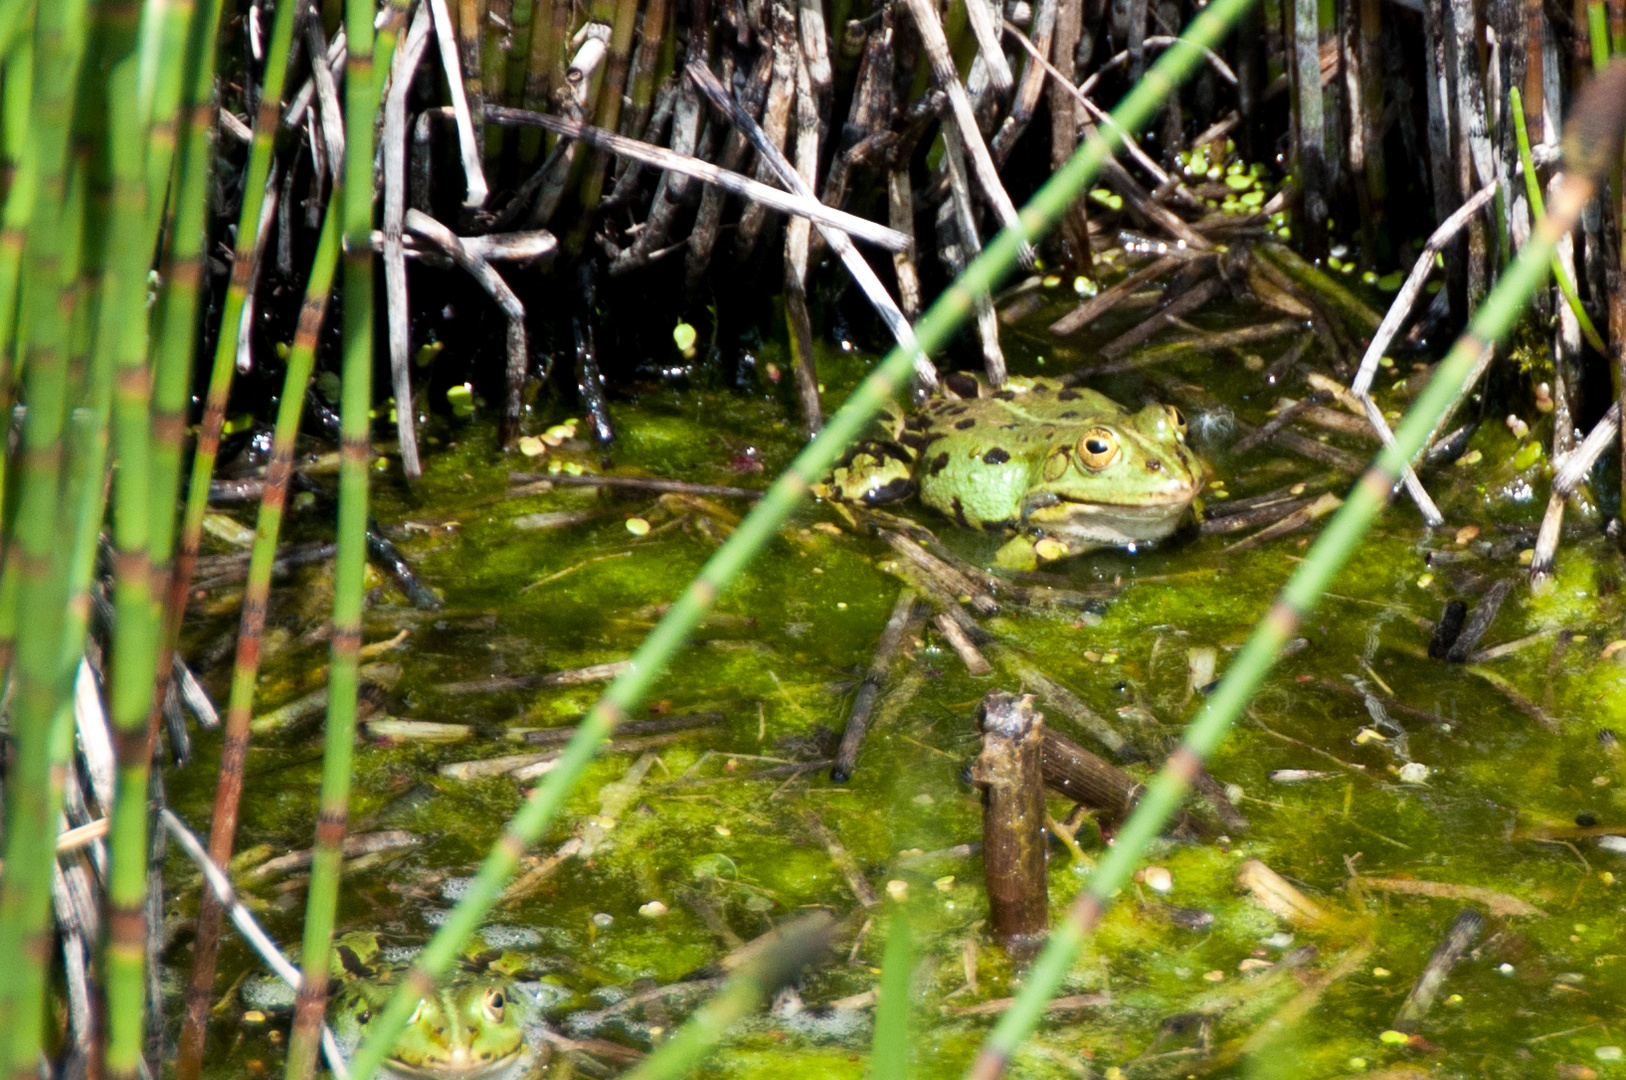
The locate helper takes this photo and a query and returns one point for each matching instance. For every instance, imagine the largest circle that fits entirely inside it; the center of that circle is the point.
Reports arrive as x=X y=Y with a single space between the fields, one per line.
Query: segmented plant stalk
x=266 y=120
x=121 y=343
x=946 y=315
x=169 y=88
x=173 y=337
x=256 y=594
x=799 y=943
x=355 y=203
x=172 y=342
x=1592 y=137
x=16 y=84
x=1532 y=188
x=40 y=686
x=609 y=111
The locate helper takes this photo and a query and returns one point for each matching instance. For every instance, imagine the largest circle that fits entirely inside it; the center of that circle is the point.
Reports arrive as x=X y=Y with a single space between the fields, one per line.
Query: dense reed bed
x=146 y=225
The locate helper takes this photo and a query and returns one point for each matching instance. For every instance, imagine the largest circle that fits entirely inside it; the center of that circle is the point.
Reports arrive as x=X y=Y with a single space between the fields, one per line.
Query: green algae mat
x=1390 y=791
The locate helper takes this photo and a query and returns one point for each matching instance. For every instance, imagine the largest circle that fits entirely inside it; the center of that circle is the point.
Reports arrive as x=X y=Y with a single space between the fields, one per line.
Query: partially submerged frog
x=472 y=1026
x=1064 y=470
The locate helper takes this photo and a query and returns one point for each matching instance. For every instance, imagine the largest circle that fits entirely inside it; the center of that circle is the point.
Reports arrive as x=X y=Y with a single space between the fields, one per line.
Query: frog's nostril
x=1154 y=465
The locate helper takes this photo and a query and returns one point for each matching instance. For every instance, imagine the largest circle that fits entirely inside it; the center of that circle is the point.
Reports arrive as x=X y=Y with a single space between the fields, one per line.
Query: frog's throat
x=514 y=1064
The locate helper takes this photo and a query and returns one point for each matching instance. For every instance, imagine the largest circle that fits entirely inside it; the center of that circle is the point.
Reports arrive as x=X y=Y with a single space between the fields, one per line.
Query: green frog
x=1063 y=470
x=470 y=1027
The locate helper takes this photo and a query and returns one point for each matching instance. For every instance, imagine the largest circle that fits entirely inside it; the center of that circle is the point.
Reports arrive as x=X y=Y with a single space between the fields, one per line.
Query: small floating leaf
x=684 y=336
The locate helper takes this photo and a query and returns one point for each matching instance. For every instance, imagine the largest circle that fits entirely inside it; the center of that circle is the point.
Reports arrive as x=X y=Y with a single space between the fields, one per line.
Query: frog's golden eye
x=1098 y=448
x=1178 y=419
x=494 y=1004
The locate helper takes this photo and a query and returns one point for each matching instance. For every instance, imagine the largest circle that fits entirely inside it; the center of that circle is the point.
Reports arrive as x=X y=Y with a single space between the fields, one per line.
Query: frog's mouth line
x=1144 y=508
x=484 y=1070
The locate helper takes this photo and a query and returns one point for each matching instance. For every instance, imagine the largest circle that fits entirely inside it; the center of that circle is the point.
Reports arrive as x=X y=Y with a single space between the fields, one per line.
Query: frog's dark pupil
x=496 y=1000
x=1179 y=417
x=364 y=1017
x=1096 y=446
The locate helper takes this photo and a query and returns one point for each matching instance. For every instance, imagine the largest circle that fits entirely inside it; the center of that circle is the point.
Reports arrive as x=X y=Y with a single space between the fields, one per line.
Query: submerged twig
x=433 y=231
x=907 y=614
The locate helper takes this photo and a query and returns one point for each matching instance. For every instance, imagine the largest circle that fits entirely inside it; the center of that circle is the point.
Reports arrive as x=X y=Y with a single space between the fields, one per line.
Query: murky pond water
x=1514 y=789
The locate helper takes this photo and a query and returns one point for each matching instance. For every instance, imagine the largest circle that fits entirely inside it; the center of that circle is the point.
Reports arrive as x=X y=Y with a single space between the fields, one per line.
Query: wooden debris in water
x=1497 y=903
x=355 y=846
x=633 y=483
x=1321 y=506
x=1094 y=783
x=376 y=677
x=1464 y=932
x=1277 y=895
x=1479 y=621
x=398 y=729
x=427 y=228
x=857 y=882
x=1010 y=774
x=949 y=578
x=908 y=615
x=961 y=642
x=1062 y=700
x=1058 y=1006
x=498 y=684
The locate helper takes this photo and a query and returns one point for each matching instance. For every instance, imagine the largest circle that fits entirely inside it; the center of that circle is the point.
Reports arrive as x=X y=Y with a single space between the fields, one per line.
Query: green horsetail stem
x=267 y=120
x=1592 y=136
x=1532 y=188
x=173 y=336
x=760 y=526
x=353 y=200
x=121 y=351
x=172 y=343
x=251 y=628
x=793 y=947
x=40 y=685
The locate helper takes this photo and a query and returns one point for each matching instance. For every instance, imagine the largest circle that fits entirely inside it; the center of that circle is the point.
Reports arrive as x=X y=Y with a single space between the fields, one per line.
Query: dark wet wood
x=1465 y=930
x=908 y=615
x=1096 y=784
x=1009 y=771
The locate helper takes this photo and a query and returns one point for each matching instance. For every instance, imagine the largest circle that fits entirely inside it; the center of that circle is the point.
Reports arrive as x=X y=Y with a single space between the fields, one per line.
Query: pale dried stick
x=985 y=28
x=262 y=236
x=775 y=199
x=982 y=164
x=526 y=246
x=1031 y=88
x=327 y=96
x=837 y=237
x=1413 y=288
x=468 y=145
x=798 y=233
x=253 y=935
x=393 y=149
x=965 y=219
x=1160 y=41
x=436 y=233
x=294 y=115
x=1392 y=320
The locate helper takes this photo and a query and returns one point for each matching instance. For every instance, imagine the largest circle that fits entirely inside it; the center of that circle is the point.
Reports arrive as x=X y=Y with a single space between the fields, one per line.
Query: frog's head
x=466 y=1031
x=1128 y=477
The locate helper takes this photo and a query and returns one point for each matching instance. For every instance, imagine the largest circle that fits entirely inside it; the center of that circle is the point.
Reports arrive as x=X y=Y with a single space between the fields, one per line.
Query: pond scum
x=818 y=841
